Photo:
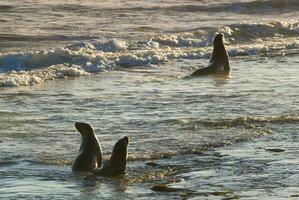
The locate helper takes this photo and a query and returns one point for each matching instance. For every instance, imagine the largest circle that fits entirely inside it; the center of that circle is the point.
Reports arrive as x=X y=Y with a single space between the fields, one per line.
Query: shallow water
x=205 y=138
x=165 y=116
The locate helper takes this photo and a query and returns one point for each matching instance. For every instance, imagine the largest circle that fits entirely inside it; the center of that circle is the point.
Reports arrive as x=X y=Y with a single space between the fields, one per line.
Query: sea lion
x=118 y=160
x=90 y=152
x=219 y=62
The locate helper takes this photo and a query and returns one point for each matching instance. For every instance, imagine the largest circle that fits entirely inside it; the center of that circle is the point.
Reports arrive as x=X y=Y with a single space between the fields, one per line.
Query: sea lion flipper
x=99 y=160
x=203 y=71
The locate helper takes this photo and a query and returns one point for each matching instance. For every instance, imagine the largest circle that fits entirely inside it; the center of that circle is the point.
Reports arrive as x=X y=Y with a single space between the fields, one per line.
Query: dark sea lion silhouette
x=118 y=160
x=90 y=152
x=219 y=62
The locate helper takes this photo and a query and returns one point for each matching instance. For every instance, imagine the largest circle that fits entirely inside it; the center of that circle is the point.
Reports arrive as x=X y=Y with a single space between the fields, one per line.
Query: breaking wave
x=87 y=58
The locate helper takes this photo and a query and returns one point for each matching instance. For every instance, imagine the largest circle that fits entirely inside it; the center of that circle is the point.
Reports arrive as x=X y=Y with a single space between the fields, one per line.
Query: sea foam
x=86 y=58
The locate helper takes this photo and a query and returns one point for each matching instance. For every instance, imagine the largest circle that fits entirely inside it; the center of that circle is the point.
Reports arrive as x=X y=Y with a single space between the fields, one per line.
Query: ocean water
x=121 y=66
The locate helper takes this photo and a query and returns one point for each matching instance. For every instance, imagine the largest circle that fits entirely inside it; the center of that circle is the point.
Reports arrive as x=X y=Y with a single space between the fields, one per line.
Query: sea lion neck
x=219 y=52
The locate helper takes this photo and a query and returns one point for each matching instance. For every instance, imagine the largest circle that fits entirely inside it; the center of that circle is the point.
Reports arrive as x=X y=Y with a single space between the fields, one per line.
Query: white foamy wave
x=235 y=33
x=21 y=61
x=46 y=58
x=29 y=68
x=112 y=45
x=83 y=64
x=28 y=78
x=246 y=32
x=183 y=40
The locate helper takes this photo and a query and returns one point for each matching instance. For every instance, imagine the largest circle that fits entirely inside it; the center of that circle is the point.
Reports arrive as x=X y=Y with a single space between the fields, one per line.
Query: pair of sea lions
x=89 y=157
x=219 y=61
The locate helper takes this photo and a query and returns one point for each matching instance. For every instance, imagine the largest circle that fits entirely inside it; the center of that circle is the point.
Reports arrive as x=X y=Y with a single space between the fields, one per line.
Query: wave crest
x=85 y=58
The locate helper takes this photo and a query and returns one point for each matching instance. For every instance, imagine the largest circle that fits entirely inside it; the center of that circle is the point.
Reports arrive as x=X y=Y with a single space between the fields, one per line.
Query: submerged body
x=219 y=62
x=90 y=152
x=118 y=161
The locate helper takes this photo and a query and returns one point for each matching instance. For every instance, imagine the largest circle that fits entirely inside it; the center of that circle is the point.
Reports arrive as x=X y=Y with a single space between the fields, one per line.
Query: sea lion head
x=218 y=48
x=120 y=154
x=219 y=54
x=218 y=38
x=89 y=139
x=84 y=128
x=121 y=146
